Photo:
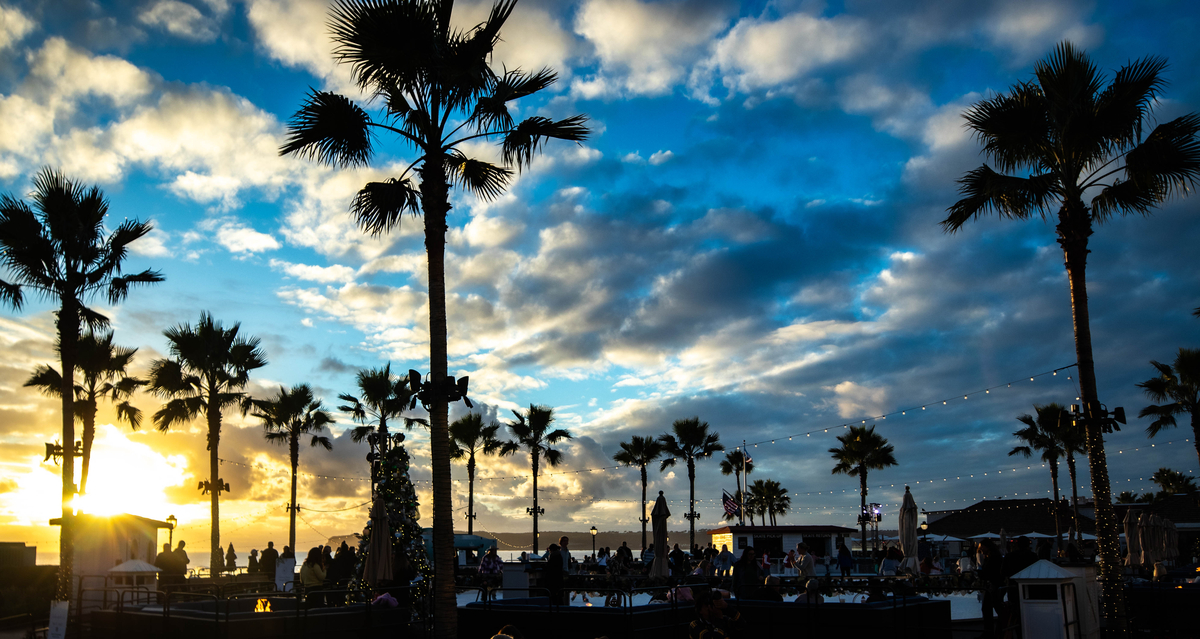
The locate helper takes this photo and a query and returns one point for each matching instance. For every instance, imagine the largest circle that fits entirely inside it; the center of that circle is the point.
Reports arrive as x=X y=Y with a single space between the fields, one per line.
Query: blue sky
x=750 y=236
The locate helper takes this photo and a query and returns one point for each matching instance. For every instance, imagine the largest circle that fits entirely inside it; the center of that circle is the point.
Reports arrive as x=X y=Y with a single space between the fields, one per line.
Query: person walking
x=725 y=561
x=845 y=560
x=807 y=567
x=991 y=583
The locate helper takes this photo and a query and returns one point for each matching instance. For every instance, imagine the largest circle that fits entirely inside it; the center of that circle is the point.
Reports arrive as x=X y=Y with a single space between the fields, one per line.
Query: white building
x=821 y=540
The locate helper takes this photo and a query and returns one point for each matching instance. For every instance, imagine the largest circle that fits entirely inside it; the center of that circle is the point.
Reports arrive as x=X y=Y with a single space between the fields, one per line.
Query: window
x=1040 y=592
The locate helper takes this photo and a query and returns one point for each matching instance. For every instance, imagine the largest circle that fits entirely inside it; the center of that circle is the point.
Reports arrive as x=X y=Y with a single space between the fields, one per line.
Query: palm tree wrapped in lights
x=438 y=94
x=690 y=440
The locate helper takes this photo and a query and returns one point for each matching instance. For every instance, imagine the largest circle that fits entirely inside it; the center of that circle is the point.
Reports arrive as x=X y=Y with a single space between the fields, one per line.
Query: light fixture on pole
x=172 y=520
x=594 y=531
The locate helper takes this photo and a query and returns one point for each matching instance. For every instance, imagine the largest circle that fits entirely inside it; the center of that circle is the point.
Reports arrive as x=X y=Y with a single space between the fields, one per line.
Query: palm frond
x=1012 y=127
x=330 y=129
x=487 y=181
x=380 y=206
x=527 y=137
x=986 y=191
x=1122 y=107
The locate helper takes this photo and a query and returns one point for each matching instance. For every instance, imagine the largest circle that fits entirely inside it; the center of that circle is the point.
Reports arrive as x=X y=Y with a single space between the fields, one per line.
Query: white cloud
x=238 y=238
x=336 y=273
x=661 y=157
x=854 y=400
x=179 y=19
x=1030 y=27
x=644 y=48
x=153 y=244
x=14 y=26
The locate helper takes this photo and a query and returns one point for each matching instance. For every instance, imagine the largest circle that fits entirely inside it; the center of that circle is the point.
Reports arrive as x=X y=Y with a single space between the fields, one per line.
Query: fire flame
x=263 y=605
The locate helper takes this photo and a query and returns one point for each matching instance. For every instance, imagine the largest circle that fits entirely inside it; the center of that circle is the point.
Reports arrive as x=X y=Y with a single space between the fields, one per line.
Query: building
x=821 y=540
x=16 y=553
x=1014 y=516
x=102 y=543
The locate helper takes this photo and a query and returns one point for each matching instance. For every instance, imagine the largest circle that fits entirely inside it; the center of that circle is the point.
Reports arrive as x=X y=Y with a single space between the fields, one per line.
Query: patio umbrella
x=1145 y=540
x=1172 y=537
x=658 y=518
x=1159 y=545
x=1037 y=535
x=987 y=535
x=1133 y=555
x=379 y=552
x=908 y=532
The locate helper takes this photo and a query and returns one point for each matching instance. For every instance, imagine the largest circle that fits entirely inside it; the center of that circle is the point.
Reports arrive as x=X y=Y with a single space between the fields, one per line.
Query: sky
x=749 y=236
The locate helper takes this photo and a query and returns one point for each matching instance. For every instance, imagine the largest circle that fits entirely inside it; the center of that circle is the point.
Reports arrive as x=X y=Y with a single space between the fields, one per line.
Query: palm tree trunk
x=534 y=456
x=1074 y=229
x=471 y=494
x=1074 y=495
x=216 y=560
x=436 y=204
x=1054 y=505
x=691 y=503
x=68 y=338
x=737 y=473
x=295 y=455
x=89 y=435
x=1196 y=431
x=645 y=481
x=862 y=478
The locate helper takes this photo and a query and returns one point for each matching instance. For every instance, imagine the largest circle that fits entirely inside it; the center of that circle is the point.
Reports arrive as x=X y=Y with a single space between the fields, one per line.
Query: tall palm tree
x=469 y=437
x=640 y=452
x=58 y=249
x=436 y=93
x=1173 y=482
x=757 y=494
x=288 y=417
x=689 y=439
x=735 y=463
x=533 y=433
x=1073 y=440
x=862 y=450
x=775 y=499
x=1179 y=384
x=208 y=368
x=382 y=397
x=1072 y=134
x=102 y=366
x=1043 y=434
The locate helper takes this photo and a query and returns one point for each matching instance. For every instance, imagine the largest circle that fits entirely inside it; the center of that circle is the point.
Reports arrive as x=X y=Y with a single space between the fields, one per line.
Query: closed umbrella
x=1159 y=545
x=1133 y=555
x=379 y=552
x=1003 y=542
x=908 y=532
x=1172 y=540
x=1145 y=540
x=658 y=519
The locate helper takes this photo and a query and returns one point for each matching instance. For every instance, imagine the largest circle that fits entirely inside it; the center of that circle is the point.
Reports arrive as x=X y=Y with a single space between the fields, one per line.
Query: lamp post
x=925 y=535
x=171 y=519
x=594 y=531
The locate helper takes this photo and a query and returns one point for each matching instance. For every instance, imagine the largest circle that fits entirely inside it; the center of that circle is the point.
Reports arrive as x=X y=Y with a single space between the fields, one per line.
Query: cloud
x=644 y=48
x=660 y=157
x=1029 y=27
x=14 y=26
x=179 y=19
x=238 y=238
x=336 y=273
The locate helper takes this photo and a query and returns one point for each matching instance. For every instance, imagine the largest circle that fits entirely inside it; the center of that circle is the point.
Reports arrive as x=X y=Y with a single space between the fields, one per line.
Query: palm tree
x=533 y=433
x=734 y=464
x=862 y=450
x=469 y=437
x=208 y=368
x=1173 y=482
x=436 y=93
x=59 y=250
x=756 y=503
x=1073 y=134
x=288 y=417
x=775 y=499
x=1042 y=434
x=384 y=397
x=102 y=366
x=690 y=440
x=1074 y=442
x=640 y=452
x=1128 y=497
x=1178 y=383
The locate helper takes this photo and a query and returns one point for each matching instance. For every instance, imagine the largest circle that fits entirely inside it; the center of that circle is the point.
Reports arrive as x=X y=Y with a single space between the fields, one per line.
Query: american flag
x=731 y=505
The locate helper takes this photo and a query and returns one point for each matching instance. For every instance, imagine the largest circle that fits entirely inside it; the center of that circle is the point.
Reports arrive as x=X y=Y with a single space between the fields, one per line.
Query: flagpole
x=742 y=489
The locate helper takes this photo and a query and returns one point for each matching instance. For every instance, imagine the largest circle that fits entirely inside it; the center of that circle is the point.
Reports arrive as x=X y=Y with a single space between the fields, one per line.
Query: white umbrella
x=1133 y=555
x=988 y=535
x=380 y=555
x=1036 y=535
x=908 y=532
x=658 y=519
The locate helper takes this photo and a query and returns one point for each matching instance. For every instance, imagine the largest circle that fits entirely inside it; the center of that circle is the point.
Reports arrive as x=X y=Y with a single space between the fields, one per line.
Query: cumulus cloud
x=336 y=273
x=236 y=237
x=14 y=26
x=179 y=19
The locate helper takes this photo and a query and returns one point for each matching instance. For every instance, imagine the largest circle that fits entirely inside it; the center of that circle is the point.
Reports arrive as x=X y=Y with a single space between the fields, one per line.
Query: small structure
x=1050 y=606
x=135 y=575
x=104 y=542
x=15 y=553
x=821 y=540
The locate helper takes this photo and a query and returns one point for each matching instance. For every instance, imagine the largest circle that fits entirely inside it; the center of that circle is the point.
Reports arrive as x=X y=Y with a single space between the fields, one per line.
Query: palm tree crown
x=770 y=499
x=640 y=452
x=435 y=91
x=1044 y=434
x=689 y=439
x=862 y=450
x=1179 y=384
x=102 y=366
x=736 y=463
x=287 y=418
x=208 y=368
x=58 y=249
x=469 y=436
x=533 y=433
x=1073 y=136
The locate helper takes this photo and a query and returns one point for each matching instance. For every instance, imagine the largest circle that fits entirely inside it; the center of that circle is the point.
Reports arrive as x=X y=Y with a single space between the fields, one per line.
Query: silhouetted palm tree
x=1178 y=383
x=1173 y=482
x=102 y=366
x=640 y=452
x=775 y=498
x=1043 y=434
x=862 y=450
x=689 y=439
x=384 y=397
x=469 y=436
x=1074 y=442
x=291 y=415
x=437 y=93
x=1074 y=135
x=208 y=368
x=1128 y=497
x=756 y=494
x=533 y=433
x=750 y=504
x=59 y=250
x=733 y=464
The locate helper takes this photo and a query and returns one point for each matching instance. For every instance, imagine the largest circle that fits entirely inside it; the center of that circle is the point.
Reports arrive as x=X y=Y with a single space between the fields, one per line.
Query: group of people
x=323 y=570
x=172 y=564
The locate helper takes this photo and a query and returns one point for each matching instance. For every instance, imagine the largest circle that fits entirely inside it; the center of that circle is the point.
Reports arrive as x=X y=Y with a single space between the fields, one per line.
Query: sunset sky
x=749 y=236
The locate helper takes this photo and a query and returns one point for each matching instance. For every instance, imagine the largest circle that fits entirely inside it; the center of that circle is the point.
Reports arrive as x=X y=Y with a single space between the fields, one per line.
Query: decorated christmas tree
x=395 y=494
